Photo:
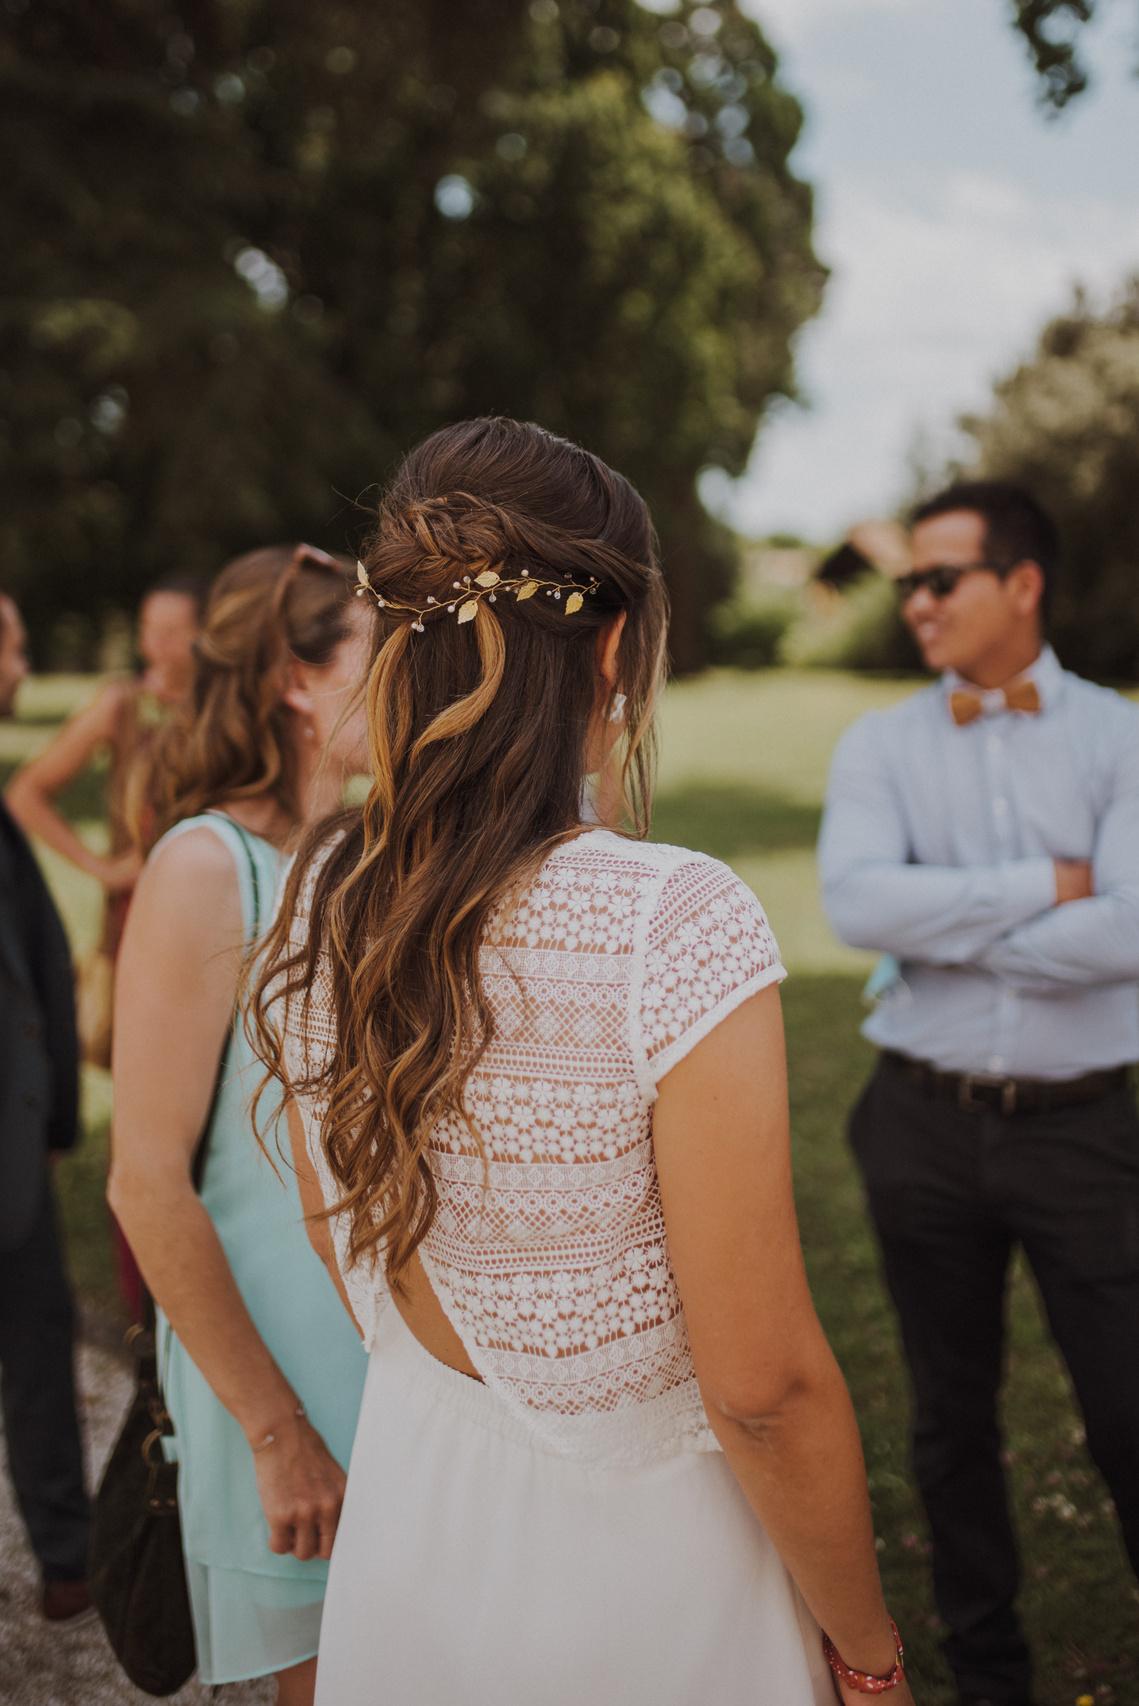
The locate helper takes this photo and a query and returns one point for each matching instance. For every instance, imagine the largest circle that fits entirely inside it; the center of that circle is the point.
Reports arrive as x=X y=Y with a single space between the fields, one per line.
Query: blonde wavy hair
x=478 y=739
x=233 y=740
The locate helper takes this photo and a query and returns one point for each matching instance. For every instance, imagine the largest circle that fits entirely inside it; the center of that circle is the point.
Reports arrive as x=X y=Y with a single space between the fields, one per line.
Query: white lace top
x=613 y=964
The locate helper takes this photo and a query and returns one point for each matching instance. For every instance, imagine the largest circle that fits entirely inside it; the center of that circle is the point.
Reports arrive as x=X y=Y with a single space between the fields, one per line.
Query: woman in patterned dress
x=604 y=1452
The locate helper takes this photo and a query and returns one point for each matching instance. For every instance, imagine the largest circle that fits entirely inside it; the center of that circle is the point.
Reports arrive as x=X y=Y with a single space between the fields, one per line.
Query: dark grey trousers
x=37 y=1398
x=952 y=1193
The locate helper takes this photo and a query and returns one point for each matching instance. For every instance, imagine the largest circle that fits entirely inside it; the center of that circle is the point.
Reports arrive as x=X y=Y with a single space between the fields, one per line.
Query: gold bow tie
x=1021 y=696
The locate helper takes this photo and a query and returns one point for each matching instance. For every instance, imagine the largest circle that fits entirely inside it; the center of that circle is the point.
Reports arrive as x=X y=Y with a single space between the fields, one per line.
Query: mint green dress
x=255 y=1612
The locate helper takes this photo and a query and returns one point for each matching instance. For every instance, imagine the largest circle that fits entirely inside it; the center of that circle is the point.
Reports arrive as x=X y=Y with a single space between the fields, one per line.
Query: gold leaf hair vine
x=471 y=590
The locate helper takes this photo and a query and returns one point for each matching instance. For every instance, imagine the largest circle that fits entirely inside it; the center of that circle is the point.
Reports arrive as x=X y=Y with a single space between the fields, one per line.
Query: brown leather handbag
x=137 y=1572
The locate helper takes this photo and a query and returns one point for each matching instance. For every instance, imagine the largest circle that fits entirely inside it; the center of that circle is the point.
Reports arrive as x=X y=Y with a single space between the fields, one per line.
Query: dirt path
x=40 y=1664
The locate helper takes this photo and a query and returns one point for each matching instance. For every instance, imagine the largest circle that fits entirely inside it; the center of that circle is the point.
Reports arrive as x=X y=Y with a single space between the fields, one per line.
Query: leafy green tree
x=1052 y=30
x=259 y=249
x=1066 y=422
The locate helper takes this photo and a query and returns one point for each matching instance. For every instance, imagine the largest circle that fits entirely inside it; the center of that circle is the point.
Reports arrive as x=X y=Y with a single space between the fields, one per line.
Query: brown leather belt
x=985 y=1092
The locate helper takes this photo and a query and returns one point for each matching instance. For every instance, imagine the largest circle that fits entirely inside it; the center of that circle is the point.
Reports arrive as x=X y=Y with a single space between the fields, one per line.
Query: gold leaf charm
x=526 y=590
x=467 y=610
x=574 y=603
x=487 y=578
x=362 y=577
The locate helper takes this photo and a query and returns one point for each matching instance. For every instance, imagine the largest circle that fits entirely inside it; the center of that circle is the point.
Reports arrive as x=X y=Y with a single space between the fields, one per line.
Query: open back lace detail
x=552 y=1263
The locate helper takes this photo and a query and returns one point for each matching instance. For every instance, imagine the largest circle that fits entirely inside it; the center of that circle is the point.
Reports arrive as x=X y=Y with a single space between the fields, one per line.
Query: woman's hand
x=900 y=1696
x=301 y=1487
x=119 y=875
x=849 y=1696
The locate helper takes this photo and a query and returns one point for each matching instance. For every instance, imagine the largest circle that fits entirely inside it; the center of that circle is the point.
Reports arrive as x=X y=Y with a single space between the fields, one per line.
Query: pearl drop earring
x=617 y=711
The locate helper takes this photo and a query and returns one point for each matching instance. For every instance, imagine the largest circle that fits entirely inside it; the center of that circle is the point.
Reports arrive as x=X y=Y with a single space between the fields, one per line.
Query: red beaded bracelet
x=861 y=1680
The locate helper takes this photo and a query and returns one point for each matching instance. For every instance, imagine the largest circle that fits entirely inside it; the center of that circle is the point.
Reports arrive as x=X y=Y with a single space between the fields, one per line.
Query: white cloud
x=933 y=295
x=943 y=270
x=792 y=22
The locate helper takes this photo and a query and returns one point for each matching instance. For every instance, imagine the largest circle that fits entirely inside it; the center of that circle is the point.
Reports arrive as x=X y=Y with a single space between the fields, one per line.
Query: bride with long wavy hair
x=538 y=1111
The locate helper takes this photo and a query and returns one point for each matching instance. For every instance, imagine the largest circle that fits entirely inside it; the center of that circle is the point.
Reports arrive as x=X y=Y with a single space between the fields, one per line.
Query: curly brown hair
x=479 y=735
x=231 y=741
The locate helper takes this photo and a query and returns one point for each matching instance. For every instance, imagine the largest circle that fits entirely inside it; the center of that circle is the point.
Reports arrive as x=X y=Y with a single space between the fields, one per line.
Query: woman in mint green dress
x=261 y=1368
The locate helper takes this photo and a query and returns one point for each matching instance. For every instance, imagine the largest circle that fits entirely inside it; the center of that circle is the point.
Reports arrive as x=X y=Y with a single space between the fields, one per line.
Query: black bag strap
x=198 y=1165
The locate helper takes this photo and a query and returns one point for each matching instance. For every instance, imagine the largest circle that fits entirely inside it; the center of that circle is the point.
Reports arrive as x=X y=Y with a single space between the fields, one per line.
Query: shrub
x=749 y=633
x=859 y=629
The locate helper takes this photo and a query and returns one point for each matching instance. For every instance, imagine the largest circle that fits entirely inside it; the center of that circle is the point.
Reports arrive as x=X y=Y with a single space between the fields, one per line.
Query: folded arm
x=876 y=898
x=1092 y=941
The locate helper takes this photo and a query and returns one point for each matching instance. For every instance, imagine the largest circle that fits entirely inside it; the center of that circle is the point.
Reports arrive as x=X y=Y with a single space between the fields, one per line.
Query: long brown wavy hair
x=232 y=740
x=478 y=737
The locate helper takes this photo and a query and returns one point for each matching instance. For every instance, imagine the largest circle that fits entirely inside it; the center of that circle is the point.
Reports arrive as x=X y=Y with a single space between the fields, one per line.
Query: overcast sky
x=955 y=218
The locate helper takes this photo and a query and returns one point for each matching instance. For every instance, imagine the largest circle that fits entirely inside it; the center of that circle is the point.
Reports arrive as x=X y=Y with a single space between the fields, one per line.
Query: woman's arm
x=875 y=896
x=31 y=793
x=175 y=991
x=774 y=1394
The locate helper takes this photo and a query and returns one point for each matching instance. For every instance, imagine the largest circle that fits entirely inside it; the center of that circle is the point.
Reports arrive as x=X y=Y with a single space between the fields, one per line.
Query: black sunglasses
x=942 y=578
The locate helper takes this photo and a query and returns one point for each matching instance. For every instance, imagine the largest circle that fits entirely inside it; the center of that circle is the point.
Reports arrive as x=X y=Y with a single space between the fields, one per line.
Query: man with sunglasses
x=984 y=835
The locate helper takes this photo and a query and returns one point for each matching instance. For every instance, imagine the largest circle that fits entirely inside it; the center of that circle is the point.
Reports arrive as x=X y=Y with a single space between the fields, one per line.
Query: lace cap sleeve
x=708 y=948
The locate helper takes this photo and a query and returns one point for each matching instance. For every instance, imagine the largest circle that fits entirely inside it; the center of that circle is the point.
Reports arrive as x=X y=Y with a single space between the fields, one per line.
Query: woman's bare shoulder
x=195 y=870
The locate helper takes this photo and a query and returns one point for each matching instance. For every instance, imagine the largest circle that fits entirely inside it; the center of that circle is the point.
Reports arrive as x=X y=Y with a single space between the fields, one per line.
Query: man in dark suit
x=38 y=1121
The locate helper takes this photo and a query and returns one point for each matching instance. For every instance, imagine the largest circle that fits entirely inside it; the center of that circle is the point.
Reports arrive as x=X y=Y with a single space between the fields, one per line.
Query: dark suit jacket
x=39 y=1055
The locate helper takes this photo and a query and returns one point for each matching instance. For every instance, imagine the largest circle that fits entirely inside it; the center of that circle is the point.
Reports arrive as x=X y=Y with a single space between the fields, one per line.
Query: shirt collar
x=1045 y=671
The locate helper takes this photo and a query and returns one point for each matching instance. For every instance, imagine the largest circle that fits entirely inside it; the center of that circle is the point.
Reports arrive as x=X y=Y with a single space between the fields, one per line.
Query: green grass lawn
x=744 y=764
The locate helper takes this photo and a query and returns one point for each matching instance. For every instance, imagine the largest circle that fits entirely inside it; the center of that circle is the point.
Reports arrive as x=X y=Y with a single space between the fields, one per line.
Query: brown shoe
x=67 y=1602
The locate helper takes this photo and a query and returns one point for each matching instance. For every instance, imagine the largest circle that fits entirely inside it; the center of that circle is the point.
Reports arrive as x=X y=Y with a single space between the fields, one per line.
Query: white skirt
x=472 y=1567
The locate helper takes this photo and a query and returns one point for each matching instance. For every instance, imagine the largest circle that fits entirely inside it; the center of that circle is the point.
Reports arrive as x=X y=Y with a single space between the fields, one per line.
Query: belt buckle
x=970 y=1082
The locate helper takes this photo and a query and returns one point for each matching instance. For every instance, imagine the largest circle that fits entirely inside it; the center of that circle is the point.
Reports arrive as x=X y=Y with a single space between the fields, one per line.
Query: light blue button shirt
x=936 y=848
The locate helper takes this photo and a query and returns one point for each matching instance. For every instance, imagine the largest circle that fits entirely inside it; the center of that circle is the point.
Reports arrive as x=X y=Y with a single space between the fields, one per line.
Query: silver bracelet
x=271 y=1439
